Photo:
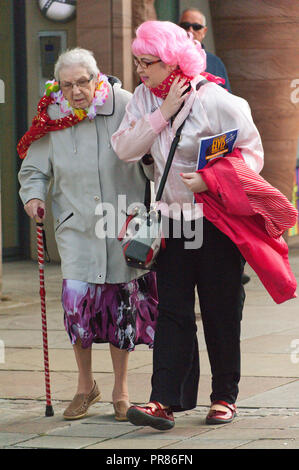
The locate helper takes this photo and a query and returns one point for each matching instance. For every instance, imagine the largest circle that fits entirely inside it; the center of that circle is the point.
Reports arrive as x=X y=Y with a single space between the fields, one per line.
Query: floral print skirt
x=121 y=314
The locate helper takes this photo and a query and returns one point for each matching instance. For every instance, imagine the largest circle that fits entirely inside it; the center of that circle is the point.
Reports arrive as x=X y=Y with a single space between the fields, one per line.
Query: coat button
x=99 y=276
x=96 y=198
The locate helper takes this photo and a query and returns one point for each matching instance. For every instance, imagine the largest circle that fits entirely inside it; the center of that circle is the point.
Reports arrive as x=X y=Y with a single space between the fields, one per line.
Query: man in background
x=193 y=20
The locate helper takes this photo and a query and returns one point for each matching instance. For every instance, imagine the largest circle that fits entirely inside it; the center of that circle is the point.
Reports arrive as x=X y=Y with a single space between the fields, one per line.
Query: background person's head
x=166 y=47
x=77 y=72
x=194 y=21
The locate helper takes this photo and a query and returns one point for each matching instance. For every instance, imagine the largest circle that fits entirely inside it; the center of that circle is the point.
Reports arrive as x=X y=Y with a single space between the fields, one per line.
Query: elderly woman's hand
x=32 y=206
x=174 y=99
x=194 y=182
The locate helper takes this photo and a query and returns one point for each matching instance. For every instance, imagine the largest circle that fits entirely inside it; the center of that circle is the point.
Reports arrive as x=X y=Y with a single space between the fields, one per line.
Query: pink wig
x=172 y=44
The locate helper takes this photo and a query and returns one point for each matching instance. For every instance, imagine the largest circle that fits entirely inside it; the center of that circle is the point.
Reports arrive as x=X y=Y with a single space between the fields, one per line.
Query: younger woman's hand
x=174 y=99
x=194 y=182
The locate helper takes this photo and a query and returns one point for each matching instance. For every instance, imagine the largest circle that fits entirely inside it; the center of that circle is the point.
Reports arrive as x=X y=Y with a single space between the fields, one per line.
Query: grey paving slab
x=269 y=365
x=11 y=438
x=28 y=338
x=284 y=344
x=29 y=318
x=122 y=444
x=205 y=443
x=64 y=360
x=268 y=318
x=283 y=396
x=275 y=421
x=253 y=385
x=93 y=430
x=30 y=384
x=251 y=433
x=294 y=332
x=271 y=444
x=51 y=442
x=177 y=433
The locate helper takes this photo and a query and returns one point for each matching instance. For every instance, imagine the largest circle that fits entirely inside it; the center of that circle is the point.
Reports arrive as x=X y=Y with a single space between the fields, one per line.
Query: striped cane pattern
x=40 y=255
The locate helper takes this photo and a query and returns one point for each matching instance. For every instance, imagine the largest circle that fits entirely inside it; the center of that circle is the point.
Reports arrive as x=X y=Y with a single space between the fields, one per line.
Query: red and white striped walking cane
x=42 y=291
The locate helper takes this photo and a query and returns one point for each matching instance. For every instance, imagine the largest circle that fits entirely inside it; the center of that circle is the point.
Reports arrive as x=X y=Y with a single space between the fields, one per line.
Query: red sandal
x=158 y=418
x=218 y=415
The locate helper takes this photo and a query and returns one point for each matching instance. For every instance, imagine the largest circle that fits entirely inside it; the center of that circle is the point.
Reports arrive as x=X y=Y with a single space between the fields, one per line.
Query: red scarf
x=163 y=88
x=42 y=124
x=213 y=78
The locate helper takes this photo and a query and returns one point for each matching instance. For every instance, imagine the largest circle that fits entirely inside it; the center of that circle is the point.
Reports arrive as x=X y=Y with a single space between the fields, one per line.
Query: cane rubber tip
x=49 y=410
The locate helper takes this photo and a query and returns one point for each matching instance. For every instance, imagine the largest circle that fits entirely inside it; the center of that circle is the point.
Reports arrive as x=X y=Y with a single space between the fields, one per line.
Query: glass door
x=13 y=124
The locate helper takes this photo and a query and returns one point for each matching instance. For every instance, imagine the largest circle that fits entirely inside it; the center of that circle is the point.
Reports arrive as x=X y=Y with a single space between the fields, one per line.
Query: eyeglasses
x=145 y=64
x=83 y=83
x=195 y=26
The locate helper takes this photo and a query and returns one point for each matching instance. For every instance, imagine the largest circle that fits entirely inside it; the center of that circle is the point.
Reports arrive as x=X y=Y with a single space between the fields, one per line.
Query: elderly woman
x=169 y=64
x=68 y=145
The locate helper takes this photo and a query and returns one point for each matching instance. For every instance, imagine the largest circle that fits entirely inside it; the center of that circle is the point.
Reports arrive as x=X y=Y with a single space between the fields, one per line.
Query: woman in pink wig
x=171 y=65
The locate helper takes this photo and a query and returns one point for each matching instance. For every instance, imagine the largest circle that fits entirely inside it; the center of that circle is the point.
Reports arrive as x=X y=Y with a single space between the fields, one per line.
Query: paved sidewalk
x=268 y=403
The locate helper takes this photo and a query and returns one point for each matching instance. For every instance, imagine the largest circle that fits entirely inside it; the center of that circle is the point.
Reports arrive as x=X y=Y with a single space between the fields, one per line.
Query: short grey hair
x=76 y=56
x=204 y=20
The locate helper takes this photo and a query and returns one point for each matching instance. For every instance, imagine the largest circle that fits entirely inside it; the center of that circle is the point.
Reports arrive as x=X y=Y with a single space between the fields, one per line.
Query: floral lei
x=100 y=96
x=42 y=123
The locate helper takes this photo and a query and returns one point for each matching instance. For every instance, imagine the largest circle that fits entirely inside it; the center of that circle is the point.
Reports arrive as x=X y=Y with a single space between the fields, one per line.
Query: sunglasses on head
x=195 y=26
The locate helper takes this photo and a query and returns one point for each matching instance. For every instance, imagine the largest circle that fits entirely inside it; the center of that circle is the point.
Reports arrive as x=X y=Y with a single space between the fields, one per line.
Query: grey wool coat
x=91 y=191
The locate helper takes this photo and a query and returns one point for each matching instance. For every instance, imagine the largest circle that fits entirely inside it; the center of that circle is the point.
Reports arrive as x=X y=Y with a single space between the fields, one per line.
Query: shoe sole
x=139 y=418
x=95 y=400
x=120 y=415
x=220 y=421
x=120 y=418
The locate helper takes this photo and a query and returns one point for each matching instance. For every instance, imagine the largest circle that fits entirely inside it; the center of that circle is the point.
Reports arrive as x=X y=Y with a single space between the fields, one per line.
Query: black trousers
x=215 y=269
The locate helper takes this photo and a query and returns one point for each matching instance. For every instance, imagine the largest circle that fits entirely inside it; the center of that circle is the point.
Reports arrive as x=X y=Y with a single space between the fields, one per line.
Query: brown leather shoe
x=81 y=402
x=120 y=409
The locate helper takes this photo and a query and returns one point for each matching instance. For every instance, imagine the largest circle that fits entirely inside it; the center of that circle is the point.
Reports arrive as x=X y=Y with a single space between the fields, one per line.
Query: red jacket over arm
x=254 y=215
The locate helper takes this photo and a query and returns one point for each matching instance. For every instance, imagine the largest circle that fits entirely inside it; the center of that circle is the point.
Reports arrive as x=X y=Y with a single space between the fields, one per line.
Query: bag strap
x=147 y=194
x=172 y=150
